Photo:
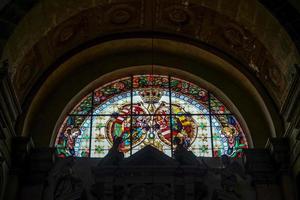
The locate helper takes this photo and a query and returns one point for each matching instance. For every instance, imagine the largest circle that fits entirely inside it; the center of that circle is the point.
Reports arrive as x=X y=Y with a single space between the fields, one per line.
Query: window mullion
x=91 y=125
x=210 y=124
x=170 y=110
x=131 y=113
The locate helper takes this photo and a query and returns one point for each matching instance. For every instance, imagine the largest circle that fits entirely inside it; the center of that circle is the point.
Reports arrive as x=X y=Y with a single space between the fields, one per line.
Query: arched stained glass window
x=150 y=110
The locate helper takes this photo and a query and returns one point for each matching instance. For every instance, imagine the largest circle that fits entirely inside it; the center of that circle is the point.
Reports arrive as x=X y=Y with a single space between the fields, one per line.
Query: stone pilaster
x=260 y=165
x=30 y=167
x=291 y=113
x=9 y=111
x=280 y=152
x=34 y=178
x=18 y=166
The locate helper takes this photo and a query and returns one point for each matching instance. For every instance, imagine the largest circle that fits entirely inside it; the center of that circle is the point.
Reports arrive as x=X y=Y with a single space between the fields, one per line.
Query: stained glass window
x=150 y=110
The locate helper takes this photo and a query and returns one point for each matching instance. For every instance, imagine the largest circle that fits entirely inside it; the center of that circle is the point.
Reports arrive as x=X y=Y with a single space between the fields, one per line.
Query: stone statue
x=182 y=155
x=229 y=180
x=114 y=156
x=62 y=183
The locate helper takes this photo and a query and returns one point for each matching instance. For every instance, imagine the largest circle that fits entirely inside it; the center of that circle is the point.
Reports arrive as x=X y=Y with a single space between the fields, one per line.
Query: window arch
x=150 y=110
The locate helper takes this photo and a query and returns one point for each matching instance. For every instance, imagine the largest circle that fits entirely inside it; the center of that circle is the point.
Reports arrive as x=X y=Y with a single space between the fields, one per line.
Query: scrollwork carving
x=190 y=20
x=237 y=37
x=24 y=75
x=67 y=32
x=120 y=14
x=27 y=72
x=275 y=76
x=178 y=15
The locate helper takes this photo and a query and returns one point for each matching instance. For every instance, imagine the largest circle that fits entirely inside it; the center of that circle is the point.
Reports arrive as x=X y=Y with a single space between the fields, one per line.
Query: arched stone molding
x=71 y=80
x=243 y=30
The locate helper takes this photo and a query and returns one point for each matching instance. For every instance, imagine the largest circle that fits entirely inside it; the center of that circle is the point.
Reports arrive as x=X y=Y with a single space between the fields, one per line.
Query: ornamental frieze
x=190 y=20
x=29 y=70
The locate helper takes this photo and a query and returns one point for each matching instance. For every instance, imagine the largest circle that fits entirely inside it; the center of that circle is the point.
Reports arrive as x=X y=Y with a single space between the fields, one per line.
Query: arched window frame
x=91 y=99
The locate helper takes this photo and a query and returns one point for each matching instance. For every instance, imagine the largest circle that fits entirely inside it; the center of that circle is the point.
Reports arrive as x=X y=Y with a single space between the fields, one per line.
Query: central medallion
x=148 y=121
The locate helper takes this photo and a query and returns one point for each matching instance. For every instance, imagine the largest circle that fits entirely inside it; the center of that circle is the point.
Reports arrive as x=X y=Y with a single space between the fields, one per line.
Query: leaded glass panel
x=150 y=110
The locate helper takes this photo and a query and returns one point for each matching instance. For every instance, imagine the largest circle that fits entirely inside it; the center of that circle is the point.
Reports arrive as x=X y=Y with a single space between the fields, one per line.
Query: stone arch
x=71 y=77
x=235 y=33
x=56 y=41
x=40 y=39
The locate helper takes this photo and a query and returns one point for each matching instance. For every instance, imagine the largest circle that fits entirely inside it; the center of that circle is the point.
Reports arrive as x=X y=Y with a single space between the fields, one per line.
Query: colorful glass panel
x=84 y=107
x=74 y=136
x=217 y=107
x=150 y=110
x=184 y=88
x=202 y=142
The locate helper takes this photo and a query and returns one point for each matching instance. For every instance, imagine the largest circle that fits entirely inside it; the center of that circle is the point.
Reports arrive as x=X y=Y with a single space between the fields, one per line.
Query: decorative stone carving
x=178 y=15
x=290 y=108
x=275 y=76
x=120 y=14
x=127 y=14
x=148 y=192
x=149 y=174
x=222 y=33
x=67 y=32
x=236 y=37
x=229 y=180
x=68 y=187
x=9 y=107
x=63 y=183
x=187 y=20
x=274 y=79
x=24 y=75
x=28 y=72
